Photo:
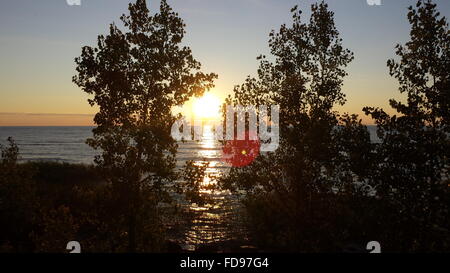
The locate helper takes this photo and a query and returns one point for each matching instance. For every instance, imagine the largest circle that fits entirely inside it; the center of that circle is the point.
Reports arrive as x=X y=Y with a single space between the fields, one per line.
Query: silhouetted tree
x=414 y=154
x=292 y=191
x=136 y=77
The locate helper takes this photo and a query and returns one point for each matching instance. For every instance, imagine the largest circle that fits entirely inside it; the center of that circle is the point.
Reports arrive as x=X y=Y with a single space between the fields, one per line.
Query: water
x=67 y=144
x=60 y=144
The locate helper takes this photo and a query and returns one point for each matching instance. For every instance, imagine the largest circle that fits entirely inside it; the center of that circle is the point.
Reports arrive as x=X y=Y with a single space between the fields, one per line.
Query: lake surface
x=67 y=144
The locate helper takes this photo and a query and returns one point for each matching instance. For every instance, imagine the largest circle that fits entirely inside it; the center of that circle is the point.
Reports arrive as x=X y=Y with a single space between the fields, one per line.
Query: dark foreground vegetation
x=326 y=188
x=45 y=205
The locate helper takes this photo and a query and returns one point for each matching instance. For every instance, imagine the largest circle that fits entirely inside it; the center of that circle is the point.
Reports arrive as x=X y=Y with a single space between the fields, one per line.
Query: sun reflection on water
x=211 y=221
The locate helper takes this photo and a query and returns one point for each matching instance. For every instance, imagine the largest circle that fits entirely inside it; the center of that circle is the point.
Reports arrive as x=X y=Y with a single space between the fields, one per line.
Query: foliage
x=414 y=153
x=305 y=80
x=17 y=200
x=193 y=177
x=136 y=77
x=328 y=187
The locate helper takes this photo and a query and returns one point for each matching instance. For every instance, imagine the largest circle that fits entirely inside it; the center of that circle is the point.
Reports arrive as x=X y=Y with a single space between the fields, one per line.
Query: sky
x=40 y=39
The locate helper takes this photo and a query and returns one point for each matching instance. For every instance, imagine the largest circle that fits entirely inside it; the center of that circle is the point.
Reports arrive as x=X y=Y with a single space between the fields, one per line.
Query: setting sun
x=207 y=107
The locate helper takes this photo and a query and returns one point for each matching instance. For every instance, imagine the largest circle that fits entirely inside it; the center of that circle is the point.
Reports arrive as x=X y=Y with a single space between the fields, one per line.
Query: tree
x=292 y=190
x=136 y=77
x=412 y=171
x=305 y=80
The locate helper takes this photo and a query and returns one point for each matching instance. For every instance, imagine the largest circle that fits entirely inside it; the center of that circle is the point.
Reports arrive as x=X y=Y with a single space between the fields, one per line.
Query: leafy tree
x=291 y=192
x=136 y=77
x=413 y=168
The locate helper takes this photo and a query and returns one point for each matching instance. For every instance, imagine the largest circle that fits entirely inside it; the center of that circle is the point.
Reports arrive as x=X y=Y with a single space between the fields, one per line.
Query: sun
x=207 y=107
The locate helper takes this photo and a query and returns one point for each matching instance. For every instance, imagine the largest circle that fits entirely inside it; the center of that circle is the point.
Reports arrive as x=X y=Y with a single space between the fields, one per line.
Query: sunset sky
x=40 y=39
